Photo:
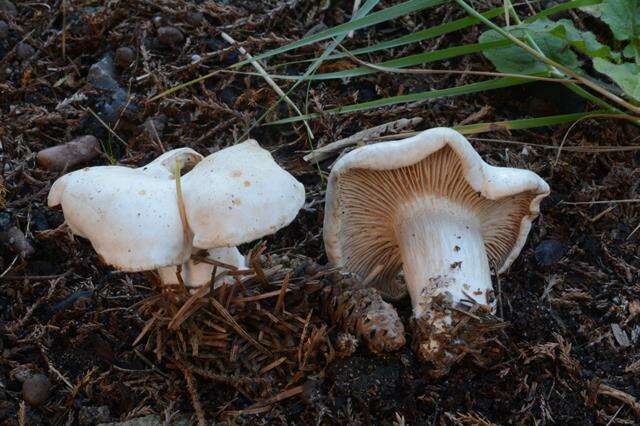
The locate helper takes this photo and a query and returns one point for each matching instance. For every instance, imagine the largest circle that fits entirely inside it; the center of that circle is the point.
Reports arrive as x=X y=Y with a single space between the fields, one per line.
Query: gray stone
x=9 y=8
x=92 y=415
x=102 y=74
x=4 y=30
x=25 y=51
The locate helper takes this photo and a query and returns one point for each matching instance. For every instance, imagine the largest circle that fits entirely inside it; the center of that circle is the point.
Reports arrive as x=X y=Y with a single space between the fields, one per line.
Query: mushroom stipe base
x=444 y=334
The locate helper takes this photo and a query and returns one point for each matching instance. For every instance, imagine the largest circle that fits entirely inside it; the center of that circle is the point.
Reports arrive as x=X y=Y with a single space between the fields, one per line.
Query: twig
x=326 y=151
x=621 y=396
x=579 y=203
x=267 y=78
x=227 y=316
x=193 y=391
x=356 y=6
x=106 y=126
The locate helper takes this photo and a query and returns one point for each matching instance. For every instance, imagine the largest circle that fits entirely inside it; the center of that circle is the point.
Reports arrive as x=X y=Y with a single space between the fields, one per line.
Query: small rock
x=4 y=30
x=5 y=221
x=195 y=58
x=194 y=18
x=93 y=415
x=154 y=126
x=620 y=336
x=157 y=21
x=9 y=8
x=109 y=109
x=70 y=154
x=549 y=252
x=311 y=269
x=25 y=51
x=102 y=74
x=125 y=56
x=150 y=420
x=40 y=222
x=170 y=36
x=22 y=373
x=73 y=300
x=15 y=239
x=36 y=389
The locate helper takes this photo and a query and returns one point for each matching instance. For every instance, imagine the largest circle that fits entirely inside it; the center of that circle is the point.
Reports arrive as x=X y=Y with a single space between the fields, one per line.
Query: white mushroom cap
x=198 y=274
x=367 y=185
x=239 y=194
x=130 y=215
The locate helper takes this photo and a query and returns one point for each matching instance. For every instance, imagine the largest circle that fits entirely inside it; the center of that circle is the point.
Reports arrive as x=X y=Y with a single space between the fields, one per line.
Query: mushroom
x=237 y=195
x=197 y=274
x=132 y=216
x=430 y=205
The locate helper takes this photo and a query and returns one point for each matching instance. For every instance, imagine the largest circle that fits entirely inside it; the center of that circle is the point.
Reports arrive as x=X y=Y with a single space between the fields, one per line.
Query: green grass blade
x=407 y=61
x=417 y=37
x=384 y=15
x=494 y=84
x=528 y=123
x=447 y=28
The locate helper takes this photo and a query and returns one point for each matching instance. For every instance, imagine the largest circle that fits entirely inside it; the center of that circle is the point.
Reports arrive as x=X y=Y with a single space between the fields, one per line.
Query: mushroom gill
x=375 y=204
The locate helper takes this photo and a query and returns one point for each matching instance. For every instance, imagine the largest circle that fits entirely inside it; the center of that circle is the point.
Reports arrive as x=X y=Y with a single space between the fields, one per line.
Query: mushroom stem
x=443 y=254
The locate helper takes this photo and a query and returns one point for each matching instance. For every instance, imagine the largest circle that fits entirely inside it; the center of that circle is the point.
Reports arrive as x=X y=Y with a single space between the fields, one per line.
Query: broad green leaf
x=513 y=59
x=626 y=75
x=623 y=17
x=585 y=5
x=632 y=51
x=584 y=41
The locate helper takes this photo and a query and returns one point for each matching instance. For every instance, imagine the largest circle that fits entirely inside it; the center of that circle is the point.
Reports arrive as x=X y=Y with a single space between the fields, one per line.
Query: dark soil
x=571 y=301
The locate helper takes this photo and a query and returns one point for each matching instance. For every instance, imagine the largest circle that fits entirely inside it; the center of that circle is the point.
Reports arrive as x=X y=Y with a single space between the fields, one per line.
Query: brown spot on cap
x=141 y=192
x=236 y=201
x=247 y=183
x=236 y=173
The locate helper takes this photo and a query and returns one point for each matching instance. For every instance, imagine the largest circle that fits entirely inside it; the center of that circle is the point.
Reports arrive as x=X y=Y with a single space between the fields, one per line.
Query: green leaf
x=623 y=17
x=586 y=5
x=631 y=51
x=625 y=75
x=584 y=41
x=513 y=59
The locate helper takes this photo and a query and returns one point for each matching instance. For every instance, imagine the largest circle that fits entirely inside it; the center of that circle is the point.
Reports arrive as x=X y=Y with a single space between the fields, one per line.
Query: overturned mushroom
x=431 y=206
x=132 y=216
